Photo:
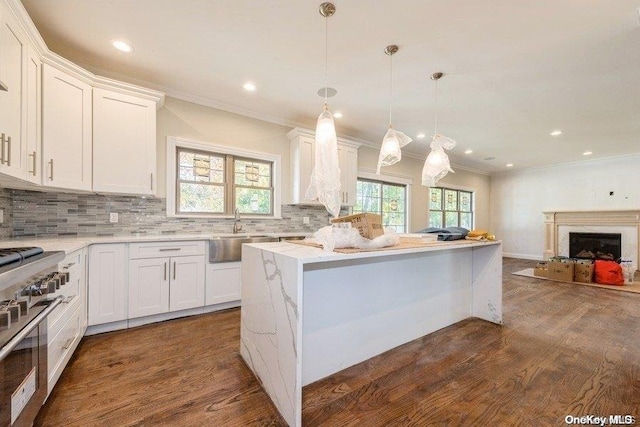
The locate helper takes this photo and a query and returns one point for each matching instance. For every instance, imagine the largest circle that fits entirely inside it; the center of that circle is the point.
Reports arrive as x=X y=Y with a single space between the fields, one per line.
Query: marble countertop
x=71 y=244
x=309 y=254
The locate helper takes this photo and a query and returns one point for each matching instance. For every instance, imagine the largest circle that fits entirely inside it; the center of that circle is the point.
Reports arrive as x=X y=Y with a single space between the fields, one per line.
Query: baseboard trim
x=522 y=256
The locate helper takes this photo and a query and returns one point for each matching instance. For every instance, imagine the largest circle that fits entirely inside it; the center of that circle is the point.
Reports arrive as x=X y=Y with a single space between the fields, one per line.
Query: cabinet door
x=348 y=159
x=148 y=286
x=223 y=283
x=107 y=284
x=34 y=118
x=124 y=143
x=187 y=282
x=13 y=61
x=302 y=161
x=66 y=130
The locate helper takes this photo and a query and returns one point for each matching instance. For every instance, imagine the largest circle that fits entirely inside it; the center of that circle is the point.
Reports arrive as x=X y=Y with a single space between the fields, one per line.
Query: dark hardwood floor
x=564 y=350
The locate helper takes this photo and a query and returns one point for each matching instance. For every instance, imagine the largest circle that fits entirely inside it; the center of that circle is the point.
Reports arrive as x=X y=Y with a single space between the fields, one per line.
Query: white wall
x=192 y=121
x=519 y=198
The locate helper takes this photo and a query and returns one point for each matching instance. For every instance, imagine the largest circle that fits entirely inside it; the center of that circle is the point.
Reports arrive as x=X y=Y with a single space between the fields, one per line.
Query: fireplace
x=595 y=245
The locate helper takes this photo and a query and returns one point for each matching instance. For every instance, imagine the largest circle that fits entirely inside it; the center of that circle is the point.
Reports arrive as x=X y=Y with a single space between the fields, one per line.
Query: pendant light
x=325 y=177
x=437 y=165
x=393 y=141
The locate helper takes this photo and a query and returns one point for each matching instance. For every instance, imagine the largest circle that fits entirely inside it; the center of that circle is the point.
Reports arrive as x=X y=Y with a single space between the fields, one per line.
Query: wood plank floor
x=564 y=350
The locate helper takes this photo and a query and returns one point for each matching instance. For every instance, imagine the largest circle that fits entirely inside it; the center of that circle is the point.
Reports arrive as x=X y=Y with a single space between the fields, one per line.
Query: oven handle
x=4 y=352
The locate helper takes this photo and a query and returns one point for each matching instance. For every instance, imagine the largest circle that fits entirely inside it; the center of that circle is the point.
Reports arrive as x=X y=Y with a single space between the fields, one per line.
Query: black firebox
x=595 y=245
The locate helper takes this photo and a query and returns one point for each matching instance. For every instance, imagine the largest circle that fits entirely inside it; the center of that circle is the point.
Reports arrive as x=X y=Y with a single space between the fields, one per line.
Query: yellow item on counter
x=478 y=233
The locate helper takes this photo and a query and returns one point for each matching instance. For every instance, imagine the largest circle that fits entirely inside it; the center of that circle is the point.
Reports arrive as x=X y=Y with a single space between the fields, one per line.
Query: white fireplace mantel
x=558 y=225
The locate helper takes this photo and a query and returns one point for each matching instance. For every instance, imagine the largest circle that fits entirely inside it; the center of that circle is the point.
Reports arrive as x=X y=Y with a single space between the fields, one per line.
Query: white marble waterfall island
x=307 y=314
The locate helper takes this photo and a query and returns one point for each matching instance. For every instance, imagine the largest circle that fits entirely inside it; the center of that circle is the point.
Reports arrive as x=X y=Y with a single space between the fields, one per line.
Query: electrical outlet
x=305 y=220
x=113 y=217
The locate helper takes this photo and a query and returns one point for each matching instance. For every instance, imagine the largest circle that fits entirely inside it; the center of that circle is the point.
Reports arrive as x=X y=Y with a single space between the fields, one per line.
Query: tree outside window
x=213 y=183
x=450 y=208
x=386 y=199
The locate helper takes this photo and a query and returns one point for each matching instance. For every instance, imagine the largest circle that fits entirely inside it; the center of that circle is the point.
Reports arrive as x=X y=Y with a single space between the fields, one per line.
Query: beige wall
x=208 y=125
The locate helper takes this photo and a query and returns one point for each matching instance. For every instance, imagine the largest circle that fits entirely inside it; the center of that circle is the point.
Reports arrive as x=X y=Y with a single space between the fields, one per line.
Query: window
x=384 y=198
x=450 y=208
x=207 y=180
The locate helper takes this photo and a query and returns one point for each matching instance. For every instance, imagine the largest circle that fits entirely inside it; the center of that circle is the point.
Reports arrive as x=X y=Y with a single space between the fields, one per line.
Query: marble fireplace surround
x=558 y=225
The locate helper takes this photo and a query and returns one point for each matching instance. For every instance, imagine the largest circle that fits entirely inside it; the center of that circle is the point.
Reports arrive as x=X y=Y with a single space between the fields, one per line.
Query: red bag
x=608 y=273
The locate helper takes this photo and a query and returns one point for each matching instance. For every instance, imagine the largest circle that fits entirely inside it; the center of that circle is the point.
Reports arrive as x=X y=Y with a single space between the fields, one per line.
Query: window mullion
x=230 y=190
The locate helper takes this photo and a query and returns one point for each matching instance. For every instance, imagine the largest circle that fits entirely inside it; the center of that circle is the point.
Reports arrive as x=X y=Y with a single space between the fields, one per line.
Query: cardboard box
x=541 y=270
x=368 y=224
x=562 y=271
x=583 y=273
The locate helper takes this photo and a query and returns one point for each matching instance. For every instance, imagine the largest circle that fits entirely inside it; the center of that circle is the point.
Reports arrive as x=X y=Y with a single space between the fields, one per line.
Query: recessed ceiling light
x=587 y=153
x=468 y=151
x=337 y=115
x=249 y=86
x=509 y=165
x=421 y=135
x=556 y=133
x=122 y=46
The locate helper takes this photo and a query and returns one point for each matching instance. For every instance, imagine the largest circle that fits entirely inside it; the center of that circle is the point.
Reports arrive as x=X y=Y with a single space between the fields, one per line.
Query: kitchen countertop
x=71 y=244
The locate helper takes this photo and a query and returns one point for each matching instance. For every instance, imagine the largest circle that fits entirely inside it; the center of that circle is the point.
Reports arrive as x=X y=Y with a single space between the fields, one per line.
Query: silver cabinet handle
x=2 y=148
x=165 y=271
x=51 y=170
x=151 y=182
x=8 y=162
x=33 y=172
x=174 y=270
x=71 y=264
x=68 y=342
x=68 y=299
x=169 y=249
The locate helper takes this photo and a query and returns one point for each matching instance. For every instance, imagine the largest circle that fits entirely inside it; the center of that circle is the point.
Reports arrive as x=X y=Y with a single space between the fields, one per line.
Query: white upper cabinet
x=66 y=130
x=33 y=134
x=124 y=143
x=14 y=49
x=302 y=153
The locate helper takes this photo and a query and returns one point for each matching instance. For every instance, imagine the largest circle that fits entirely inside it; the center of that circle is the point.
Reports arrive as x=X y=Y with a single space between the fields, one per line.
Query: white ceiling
x=514 y=70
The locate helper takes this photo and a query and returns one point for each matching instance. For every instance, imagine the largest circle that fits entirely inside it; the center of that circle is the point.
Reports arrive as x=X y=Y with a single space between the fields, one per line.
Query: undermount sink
x=229 y=248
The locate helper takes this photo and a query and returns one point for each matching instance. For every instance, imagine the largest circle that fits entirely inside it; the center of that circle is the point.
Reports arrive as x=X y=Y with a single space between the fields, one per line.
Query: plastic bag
x=331 y=237
x=437 y=164
x=389 y=238
x=325 y=177
x=608 y=273
x=390 y=152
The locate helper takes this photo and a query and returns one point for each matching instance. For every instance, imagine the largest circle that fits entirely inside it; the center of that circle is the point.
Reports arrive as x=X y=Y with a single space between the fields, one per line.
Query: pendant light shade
x=437 y=165
x=325 y=185
x=393 y=141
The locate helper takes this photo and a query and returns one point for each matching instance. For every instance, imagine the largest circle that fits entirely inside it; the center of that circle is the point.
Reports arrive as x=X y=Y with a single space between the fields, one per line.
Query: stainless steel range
x=28 y=283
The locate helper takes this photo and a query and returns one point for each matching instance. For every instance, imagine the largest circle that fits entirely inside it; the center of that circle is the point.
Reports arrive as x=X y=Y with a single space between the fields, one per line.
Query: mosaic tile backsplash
x=36 y=214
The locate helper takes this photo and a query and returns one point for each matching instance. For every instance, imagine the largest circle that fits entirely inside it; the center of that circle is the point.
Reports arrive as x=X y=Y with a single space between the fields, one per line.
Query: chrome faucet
x=236 y=226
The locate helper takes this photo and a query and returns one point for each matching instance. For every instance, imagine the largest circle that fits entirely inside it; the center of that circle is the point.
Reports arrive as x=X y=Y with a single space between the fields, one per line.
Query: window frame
x=393 y=180
x=457 y=189
x=171 y=168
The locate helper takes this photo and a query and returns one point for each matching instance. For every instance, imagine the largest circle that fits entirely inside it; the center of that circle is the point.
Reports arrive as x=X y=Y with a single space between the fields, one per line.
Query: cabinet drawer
x=73 y=290
x=57 y=319
x=165 y=249
x=62 y=346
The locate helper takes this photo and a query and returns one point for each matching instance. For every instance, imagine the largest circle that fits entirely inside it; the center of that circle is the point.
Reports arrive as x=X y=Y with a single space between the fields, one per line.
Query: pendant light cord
x=390 y=86
x=326 y=58
x=435 y=124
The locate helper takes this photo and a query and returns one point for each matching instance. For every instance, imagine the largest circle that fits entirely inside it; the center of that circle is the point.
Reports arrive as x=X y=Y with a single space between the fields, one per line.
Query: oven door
x=23 y=371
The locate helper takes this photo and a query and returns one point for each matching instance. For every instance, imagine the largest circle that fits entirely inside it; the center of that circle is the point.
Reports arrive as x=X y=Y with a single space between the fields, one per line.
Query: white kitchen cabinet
x=66 y=130
x=223 y=282
x=14 y=48
x=33 y=136
x=107 y=283
x=302 y=154
x=165 y=277
x=348 y=160
x=68 y=322
x=124 y=143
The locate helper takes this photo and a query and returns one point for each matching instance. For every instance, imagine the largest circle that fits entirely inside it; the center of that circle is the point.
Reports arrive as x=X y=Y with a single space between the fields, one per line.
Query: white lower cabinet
x=107 y=283
x=67 y=323
x=159 y=283
x=223 y=283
